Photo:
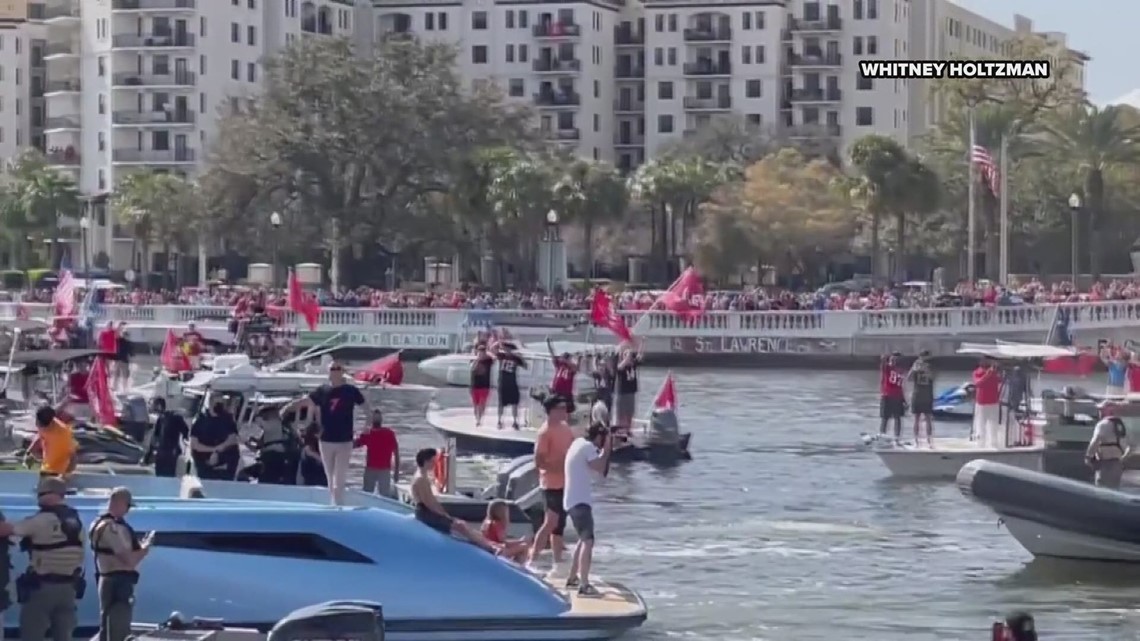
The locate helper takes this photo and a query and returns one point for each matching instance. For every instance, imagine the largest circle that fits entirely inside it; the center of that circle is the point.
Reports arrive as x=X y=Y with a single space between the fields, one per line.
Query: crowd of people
x=848 y=296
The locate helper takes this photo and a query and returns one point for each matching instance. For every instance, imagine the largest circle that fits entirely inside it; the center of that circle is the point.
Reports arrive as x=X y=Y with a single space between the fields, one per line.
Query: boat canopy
x=25 y=326
x=1015 y=351
x=53 y=357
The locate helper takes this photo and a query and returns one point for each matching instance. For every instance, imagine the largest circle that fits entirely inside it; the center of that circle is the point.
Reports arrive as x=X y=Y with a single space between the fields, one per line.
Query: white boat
x=455 y=369
x=946 y=458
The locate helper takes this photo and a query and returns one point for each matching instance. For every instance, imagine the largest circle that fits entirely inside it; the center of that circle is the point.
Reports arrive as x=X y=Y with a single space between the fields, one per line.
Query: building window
x=251 y=36
x=251 y=72
x=235 y=70
x=864 y=116
x=479 y=20
x=664 y=91
x=516 y=88
x=863 y=83
x=746 y=54
x=510 y=53
x=510 y=19
x=872 y=9
x=429 y=21
x=479 y=54
x=442 y=21
x=857 y=45
x=752 y=89
x=235 y=32
x=872 y=46
x=665 y=124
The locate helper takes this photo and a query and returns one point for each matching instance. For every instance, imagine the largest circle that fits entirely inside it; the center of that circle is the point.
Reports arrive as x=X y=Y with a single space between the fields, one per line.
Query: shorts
x=922 y=405
x=582 y=516
x=891 y=407
x=479 y=395
x=553 y=500
x=625 y=406
x=433 y=520
x=509 y=396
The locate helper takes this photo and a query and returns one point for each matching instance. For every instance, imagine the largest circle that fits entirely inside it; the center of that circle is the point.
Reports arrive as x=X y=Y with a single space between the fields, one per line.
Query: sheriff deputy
x=53 y=583
x=118 y=552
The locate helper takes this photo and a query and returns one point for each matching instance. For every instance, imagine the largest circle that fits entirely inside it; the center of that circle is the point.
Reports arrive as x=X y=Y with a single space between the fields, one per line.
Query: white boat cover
x=1015 y=351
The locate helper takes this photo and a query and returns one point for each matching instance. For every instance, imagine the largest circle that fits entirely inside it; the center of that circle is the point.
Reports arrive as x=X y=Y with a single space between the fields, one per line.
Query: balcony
x=152 y=118
x=62 y=157
x=152 y=40
x=797 y=25
x=816 y=60
x=153 y=5
x=708 y=34
x=61 y=50
x=629 y=140
x=627 y=37
x=628 y=106
x=551 y=99
x=563 y=135
x=62 y=12
x=153 y=81
x=707 y=68
x=815 y=130
x=723 y=103
x=816 y=95
x=557 y=66
x=152 y=156
x=61 y=86
x=556 y=30
x=629 y=72
x=61 y=123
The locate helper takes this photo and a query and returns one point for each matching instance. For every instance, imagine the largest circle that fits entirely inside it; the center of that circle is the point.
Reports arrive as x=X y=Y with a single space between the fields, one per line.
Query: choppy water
x=781 y=529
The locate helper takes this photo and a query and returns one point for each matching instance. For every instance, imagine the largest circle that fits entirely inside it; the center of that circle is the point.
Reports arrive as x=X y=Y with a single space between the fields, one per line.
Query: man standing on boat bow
x=1108 y=448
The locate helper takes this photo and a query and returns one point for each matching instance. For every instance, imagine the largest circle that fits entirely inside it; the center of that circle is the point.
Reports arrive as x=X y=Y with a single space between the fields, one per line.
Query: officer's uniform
x=110 y=539
x=49 y=590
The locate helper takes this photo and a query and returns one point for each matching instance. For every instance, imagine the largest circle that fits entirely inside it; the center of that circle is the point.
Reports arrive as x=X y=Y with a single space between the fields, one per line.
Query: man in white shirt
x=585 y=457
x=1108 y=448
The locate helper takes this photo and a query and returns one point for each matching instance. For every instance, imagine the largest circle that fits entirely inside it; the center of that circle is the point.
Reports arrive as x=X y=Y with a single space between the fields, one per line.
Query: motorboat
x=455 y=369
x=1052 y=516
x=955 y=404
x=913 y=461
x=249 y=555
x=657 y=438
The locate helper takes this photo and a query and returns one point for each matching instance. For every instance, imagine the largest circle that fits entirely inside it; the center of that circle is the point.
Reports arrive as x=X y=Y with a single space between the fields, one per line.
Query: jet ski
x=955 y=404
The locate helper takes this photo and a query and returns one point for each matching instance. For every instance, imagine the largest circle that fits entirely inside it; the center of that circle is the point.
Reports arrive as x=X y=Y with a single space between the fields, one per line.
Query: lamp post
x=84 y=232
x=1074 y=212
x=275 y=223
x=551 y=236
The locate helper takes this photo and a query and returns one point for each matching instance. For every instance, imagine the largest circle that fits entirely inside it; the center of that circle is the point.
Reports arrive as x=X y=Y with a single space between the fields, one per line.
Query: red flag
x=300 y=302
x=388 y=370
x=667 y=395
x=679 y=297
x=99 y=393
x=1083 y=363
x=602 y=314
x=173 y=359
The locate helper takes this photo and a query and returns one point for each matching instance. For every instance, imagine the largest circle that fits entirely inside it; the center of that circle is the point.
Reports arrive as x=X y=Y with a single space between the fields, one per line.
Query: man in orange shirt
x=55 y=443
x=554 y=439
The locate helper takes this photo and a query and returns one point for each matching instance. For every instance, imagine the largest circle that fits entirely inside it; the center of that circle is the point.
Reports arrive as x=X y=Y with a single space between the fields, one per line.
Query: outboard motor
x=343 y=620
x=664 y=430
x=135 y=418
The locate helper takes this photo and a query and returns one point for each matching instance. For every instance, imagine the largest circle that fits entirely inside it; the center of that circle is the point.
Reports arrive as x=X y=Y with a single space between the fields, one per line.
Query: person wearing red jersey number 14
x=892 y=405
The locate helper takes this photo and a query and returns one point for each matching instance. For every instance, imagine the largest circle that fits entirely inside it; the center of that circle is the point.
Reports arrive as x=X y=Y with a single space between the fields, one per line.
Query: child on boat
x=495 y=531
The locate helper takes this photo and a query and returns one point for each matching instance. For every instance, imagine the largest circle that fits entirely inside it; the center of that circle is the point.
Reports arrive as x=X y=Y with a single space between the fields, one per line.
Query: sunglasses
x=336 y=369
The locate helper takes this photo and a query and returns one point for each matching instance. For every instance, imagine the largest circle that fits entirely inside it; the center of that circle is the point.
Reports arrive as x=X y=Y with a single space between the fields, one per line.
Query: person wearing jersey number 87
x=892 y=405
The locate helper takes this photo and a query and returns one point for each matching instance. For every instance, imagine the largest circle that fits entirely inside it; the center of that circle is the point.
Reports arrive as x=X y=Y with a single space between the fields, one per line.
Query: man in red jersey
x=892 y=405
x=987 y=410
x=382 y=457
x=1133 y=373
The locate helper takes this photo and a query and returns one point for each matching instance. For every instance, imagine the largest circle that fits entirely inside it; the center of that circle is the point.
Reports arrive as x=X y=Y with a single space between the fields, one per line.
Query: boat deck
x=615 y=601
x=460 y=422
x=958 y=445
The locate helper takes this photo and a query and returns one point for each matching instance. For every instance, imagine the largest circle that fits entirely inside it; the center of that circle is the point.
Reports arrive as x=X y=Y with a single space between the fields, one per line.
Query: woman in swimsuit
x=430 y=512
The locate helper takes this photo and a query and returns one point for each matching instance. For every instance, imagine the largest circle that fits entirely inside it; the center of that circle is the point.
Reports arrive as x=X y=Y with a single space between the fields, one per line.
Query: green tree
x=159 y=208
x=1096 y=140
x=590 y=194
x=47 y=199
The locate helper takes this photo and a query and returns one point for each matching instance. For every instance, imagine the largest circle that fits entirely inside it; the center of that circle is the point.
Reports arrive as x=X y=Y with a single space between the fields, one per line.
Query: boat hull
x=940 y=463
x=1052 y=516
x=455 y=370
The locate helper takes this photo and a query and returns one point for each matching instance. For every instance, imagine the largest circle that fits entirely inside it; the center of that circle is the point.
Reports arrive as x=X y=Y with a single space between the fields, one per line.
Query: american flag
x=981 y=157
x=64 y=297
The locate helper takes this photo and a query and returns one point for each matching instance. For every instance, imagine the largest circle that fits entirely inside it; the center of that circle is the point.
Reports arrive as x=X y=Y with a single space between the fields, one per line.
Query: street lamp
x=551 y=235
x=275 y=222
x=1074 y=211
x=84 y=232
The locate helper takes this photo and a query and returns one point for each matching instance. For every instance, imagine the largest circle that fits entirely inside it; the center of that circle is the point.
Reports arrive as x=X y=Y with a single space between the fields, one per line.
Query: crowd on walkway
x=831 y=297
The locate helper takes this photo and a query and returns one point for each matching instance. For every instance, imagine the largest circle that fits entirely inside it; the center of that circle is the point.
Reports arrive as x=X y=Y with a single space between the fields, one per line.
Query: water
x=780 y=528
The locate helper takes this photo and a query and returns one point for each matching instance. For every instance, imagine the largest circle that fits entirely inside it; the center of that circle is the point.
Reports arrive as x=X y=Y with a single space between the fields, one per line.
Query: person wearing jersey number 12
x=565 y=371
x=892 y=405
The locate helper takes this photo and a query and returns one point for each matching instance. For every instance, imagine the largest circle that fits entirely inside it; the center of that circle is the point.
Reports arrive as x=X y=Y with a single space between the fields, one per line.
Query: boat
x=1052 y=516
x=914 y=461
x=455 y=369
x=955 y=404
x=250 y=555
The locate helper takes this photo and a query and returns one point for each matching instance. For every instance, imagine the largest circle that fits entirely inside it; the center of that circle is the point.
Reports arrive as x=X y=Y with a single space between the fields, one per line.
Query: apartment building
x=21 y=78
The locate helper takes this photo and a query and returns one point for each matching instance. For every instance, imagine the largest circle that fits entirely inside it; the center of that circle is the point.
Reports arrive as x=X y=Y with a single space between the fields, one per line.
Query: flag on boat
x=63 y=299
x=173 y=358
x=1083 y=361
x=666 y=396
x=388 y=370
x=301 y=303
x=99 y=392
x=603 y=314
x=679 y=298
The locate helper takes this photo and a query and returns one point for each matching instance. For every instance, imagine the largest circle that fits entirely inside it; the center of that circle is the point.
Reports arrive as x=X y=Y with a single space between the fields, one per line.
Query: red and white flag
x=99 y=392
x=63 y=300
x=603 y=314
x=173 y=359
x=681 y=297
x=666 y=396
x=984 y=161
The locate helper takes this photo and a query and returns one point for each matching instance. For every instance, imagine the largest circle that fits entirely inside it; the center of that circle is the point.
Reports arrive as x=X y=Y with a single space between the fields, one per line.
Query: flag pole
x=645 y=315
x=1004 y=270
x=971 y=223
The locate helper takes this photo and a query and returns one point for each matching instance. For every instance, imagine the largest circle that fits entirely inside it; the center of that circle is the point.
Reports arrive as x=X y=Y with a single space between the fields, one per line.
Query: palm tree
x=590 y=193
x=1097 y=140
x=158 y=207
x=45 y=197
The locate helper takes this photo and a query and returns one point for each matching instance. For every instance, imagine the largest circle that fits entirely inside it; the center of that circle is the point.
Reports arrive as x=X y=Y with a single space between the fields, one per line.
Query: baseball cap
x=123 y=493
x=553 y=401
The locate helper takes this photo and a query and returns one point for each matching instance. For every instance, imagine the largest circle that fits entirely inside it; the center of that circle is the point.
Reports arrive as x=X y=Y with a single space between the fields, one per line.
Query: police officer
x=53 y=582
x=118 y=552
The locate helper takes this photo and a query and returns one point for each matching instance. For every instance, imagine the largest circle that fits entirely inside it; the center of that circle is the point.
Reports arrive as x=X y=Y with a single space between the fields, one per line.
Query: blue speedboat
x=250 y=554
x=955 y=404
